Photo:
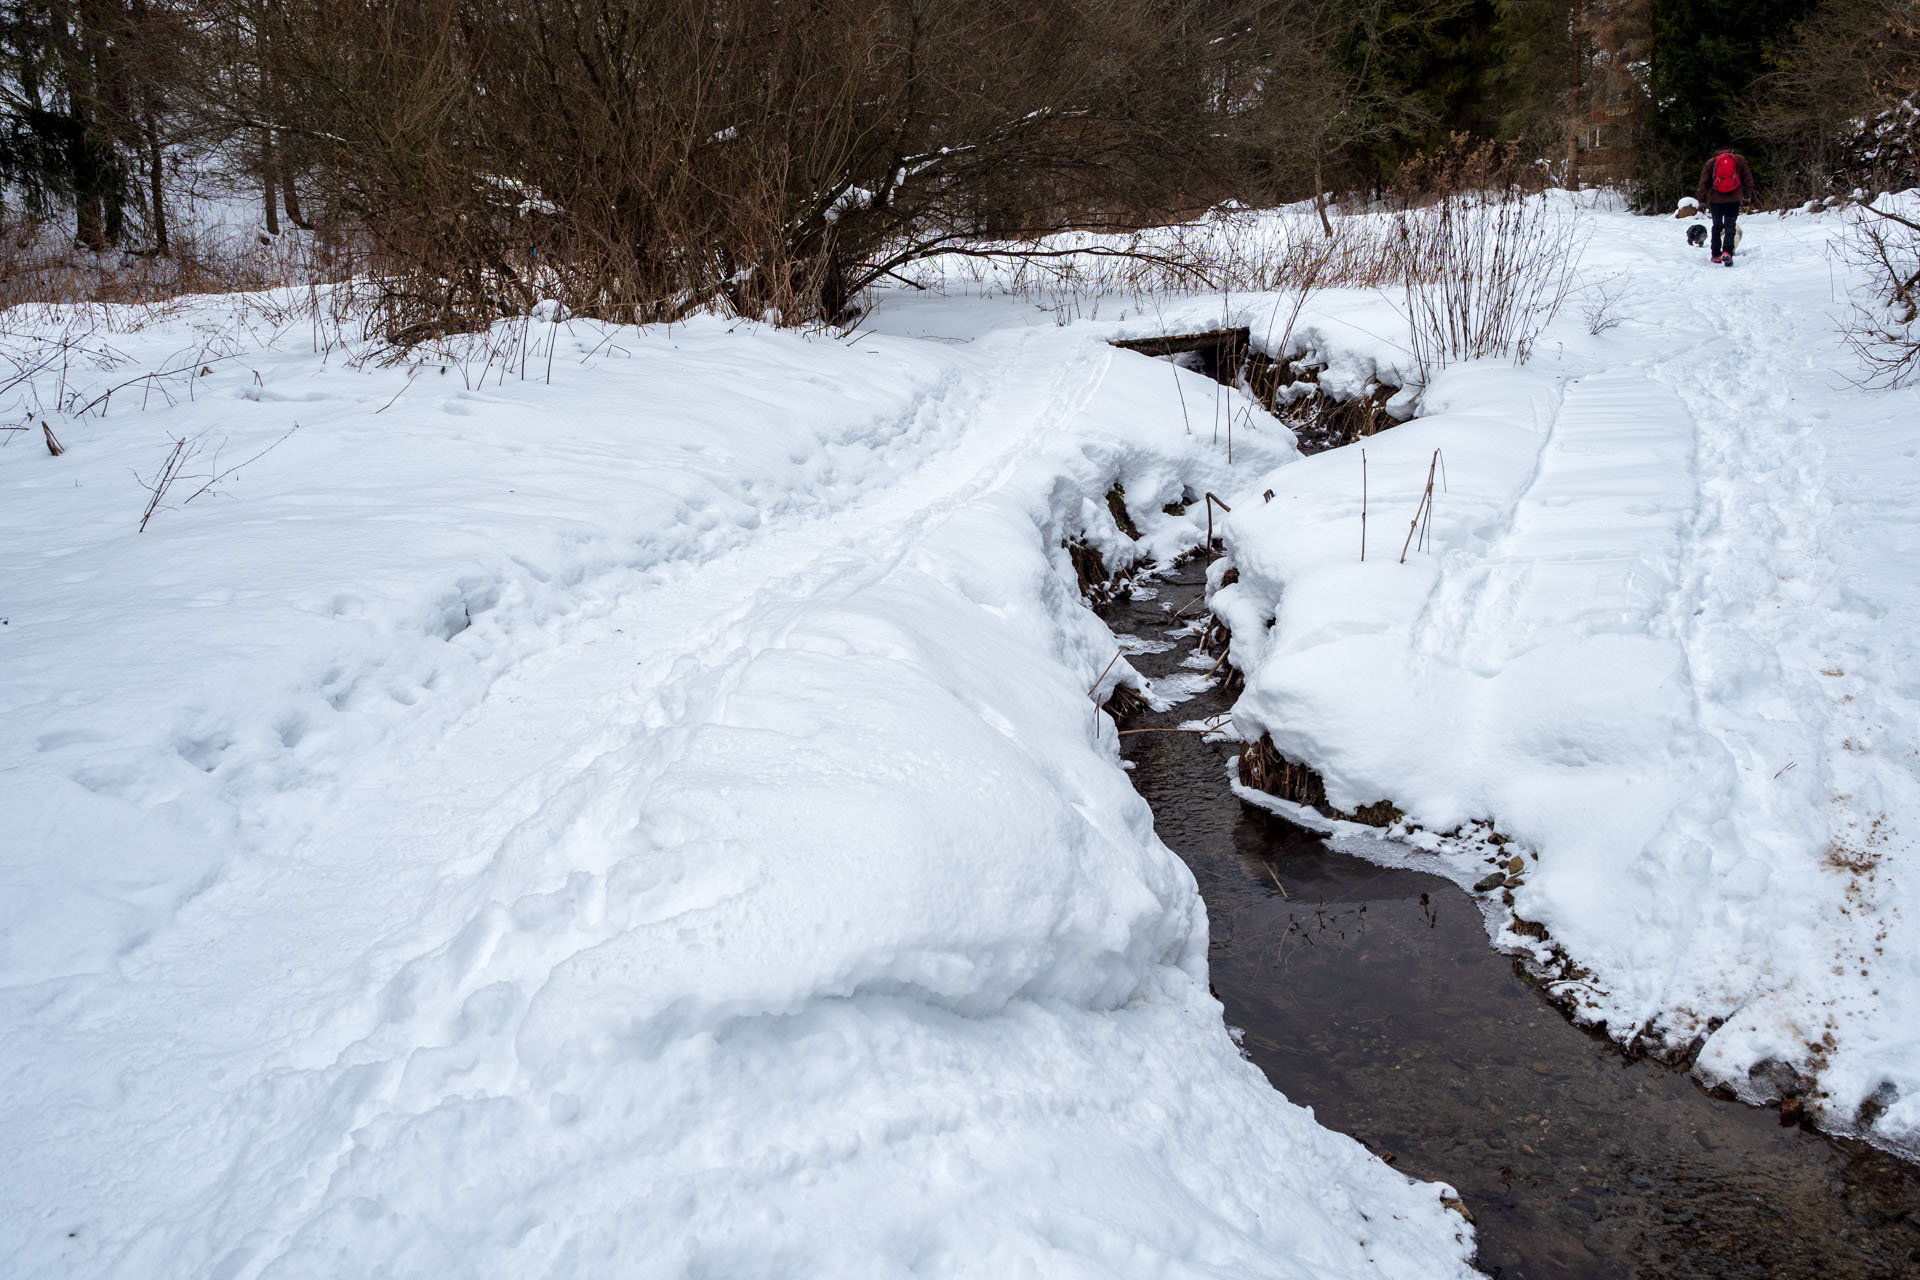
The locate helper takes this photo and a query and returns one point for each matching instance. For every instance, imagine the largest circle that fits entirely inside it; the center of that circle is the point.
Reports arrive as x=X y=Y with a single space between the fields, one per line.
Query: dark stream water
x=1373 y=996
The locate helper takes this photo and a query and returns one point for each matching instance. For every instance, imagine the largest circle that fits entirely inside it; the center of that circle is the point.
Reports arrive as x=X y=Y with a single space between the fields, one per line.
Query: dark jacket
x=1709 y=196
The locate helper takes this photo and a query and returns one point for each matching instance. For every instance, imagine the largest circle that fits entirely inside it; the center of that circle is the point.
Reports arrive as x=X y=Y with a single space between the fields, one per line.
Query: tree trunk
x=834 y=302
x=1320 y=196
x=269 y=186
x=141 y=38
x=71 y=40
x=289 y=195
x=1576 y=78
x=156 y=172
x=90 y=222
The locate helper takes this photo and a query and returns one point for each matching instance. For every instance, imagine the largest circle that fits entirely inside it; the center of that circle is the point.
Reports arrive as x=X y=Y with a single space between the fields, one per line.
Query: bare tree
x=1885 y=330
x=638 y=158
x=1838 y=108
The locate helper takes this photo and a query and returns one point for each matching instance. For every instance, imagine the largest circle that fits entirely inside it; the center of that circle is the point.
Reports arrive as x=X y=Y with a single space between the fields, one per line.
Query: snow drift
x=653 y=821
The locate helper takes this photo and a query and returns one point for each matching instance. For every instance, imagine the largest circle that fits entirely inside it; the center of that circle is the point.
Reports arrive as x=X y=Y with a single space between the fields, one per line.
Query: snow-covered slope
x=1664 y=637
x=651 y=822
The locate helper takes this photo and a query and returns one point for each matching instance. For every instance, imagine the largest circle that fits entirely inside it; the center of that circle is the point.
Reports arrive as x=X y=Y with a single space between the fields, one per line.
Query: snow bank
x=652 y=822
x=1660 y=638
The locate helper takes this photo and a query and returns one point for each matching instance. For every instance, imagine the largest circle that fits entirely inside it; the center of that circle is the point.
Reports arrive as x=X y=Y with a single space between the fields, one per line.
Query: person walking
x=1725 y=183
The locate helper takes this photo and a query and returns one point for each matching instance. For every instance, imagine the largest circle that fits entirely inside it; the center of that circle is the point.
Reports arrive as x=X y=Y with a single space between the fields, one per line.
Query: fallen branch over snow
x=173 y=470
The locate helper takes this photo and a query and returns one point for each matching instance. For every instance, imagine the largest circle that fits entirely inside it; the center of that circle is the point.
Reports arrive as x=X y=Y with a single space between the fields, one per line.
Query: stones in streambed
x=1875 y=1105
x=1264 y=768
x=1772 y=1080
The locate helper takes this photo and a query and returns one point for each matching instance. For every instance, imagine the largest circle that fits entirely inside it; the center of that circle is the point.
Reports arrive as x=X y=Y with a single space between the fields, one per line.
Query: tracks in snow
x=446 y=913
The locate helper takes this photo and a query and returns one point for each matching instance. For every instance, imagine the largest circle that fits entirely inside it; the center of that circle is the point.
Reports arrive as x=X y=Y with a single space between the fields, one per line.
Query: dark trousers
x=1724 y=213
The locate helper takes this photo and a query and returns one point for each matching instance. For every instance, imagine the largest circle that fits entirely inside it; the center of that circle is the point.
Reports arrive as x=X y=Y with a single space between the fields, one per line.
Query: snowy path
x=1663 y=639
x=1566 y=618
x=745 y=891
x=1799 y=662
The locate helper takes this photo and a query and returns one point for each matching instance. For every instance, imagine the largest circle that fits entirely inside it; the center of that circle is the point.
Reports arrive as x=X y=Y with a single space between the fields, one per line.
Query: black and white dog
x=1697 y=235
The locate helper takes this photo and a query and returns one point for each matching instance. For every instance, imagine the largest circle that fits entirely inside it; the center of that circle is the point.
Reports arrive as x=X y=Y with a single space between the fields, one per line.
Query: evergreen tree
x=61 y=98
x=1706 y=56
x=1540 y=73
x=1425 y=69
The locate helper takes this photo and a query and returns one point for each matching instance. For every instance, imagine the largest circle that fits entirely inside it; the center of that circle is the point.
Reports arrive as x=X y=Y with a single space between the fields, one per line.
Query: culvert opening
x=1220 y=353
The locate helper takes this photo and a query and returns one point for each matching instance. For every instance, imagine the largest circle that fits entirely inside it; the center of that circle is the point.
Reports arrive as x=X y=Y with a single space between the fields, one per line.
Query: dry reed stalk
x=1211 y=500
x=1101 y=678
x=54 y=446
x=1425 y=509
x=1276 y=883
x=1216 y=664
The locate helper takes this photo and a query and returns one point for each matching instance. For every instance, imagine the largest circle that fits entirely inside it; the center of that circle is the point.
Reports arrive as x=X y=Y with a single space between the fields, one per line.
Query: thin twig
x=1103 y=673
x=168 y=473
x=412 y=373
x=1424 y=509
x=222 y=475
x=1211 y=500
x=1276 y=882
x=200 y=362
x=1216 y=663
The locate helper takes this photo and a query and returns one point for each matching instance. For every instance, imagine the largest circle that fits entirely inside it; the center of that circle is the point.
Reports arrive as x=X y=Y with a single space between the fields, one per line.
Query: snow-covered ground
x=639 y=806
x=633 y=809
x=1663 y=637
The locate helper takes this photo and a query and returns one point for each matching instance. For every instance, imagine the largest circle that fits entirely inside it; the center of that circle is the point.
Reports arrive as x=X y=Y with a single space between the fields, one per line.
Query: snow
x=634 y=801
x=1661 y=637
x=634 y=808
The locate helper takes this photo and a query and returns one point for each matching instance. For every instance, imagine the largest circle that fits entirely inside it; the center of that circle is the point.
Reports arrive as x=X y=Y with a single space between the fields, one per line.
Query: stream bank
x=1372 y=995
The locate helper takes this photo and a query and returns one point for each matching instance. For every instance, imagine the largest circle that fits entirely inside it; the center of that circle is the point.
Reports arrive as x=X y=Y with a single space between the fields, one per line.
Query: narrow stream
x=1373 y=996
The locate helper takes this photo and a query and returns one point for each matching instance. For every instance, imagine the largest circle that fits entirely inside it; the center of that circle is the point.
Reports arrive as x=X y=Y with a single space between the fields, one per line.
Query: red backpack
x=1726 y=174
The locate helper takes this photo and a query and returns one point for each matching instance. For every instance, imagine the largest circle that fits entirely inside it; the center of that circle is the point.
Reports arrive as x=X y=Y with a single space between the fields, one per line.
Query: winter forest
x=749 y=639
x=633 y=160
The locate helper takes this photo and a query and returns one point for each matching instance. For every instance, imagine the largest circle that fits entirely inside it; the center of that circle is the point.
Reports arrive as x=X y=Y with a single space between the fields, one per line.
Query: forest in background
x=638 y=158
